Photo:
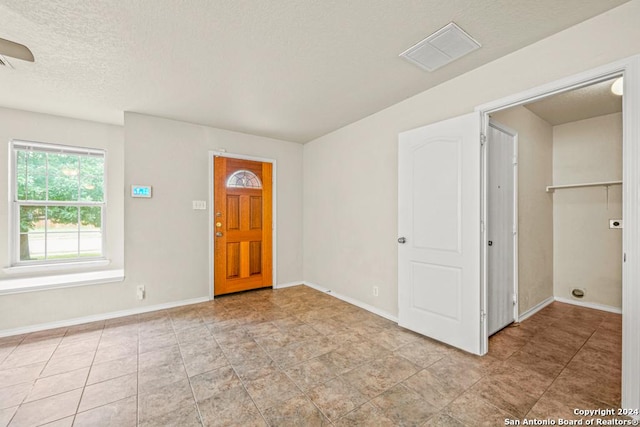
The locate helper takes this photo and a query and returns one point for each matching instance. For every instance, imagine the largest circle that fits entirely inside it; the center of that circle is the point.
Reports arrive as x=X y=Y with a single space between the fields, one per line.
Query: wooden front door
x=242 y=225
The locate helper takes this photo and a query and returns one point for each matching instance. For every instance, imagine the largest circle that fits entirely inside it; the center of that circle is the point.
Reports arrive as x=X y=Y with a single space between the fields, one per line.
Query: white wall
x=166 y=241
x=587 y=254
x=350 y=175
x=19 y=310
x=535 y=205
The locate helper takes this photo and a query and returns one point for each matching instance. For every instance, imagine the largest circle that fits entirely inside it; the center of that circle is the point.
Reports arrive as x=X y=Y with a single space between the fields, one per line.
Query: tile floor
x=296 y=356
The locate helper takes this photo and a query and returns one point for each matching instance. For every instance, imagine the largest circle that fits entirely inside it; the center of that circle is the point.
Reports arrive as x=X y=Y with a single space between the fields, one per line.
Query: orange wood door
x=242 y=225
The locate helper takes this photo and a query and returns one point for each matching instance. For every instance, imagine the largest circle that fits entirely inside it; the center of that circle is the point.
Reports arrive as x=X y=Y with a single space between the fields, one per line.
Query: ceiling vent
x=445 y=45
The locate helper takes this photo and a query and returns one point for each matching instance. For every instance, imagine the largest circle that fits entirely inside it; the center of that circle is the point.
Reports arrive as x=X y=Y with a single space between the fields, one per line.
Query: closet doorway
x=556 y=233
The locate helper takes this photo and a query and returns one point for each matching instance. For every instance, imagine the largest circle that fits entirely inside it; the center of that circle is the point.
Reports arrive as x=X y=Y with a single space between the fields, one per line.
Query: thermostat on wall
x=141 y=191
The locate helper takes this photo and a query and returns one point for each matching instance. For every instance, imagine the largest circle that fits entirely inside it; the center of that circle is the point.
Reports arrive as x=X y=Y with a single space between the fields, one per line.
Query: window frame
x=16 y=145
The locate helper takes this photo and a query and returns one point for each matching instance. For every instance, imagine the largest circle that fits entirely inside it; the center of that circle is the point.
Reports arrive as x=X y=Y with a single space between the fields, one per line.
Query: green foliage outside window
x=57 y=177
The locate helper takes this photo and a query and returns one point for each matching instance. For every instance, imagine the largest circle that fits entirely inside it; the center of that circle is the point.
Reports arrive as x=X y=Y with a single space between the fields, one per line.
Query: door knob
x=402 y=240
x=218 y=233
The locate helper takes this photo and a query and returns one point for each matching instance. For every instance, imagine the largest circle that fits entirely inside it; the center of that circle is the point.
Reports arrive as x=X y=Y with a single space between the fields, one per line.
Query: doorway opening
x=563 y=217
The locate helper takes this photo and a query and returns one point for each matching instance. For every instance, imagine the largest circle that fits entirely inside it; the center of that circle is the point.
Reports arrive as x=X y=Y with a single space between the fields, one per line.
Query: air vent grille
x=440 y=48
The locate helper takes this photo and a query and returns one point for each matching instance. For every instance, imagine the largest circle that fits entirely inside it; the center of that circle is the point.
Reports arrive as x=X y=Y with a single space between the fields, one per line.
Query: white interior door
x=439 y=286
x=501 y=227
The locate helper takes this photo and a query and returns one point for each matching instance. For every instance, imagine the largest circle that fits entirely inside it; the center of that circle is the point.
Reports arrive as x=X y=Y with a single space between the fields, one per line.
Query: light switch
x=199 y=204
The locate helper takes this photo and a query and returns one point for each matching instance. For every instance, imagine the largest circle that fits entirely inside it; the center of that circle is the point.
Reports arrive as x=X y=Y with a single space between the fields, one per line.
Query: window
x=58 y=203
x=244 y=179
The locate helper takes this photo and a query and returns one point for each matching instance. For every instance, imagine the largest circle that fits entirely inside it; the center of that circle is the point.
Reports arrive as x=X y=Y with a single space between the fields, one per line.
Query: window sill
x=31 y=284
x=37 y=268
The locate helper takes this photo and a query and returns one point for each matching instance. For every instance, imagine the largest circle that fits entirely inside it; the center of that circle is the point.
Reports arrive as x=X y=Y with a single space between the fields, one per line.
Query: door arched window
x=244 y=179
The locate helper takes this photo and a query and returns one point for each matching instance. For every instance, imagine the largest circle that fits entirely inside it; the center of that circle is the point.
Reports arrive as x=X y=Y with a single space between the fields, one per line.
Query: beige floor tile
x=202 y=357
x=62 y=364
x=14 y=394
x=311 y=373
x=270 y=390
x=75 y=347
x=336 y=398
x=6 y=414
x=443 y=420
x=471 y=409
x=404 y=406
x=17 y=359
x=56 y=384
x=513 y=399
x=164 y=400
x=114 y=352
x=121 y=413
x=193 y=334
x=46 y=410
x=183 y=416
x=373 y=378
x=109 y=391
x=234 y=407
x=366 y=415
x=297 y=411
x=64 y=422
x=420 y=354
x=22 y=374
x=215 y=382
x=113 y=369
x=435 y=390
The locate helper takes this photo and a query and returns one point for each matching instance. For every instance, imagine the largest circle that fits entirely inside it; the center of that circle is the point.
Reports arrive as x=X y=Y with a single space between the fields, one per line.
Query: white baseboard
x=98 y=317
x=536 y=308
x=593 y=305
x=353 y=301
x=288 y=285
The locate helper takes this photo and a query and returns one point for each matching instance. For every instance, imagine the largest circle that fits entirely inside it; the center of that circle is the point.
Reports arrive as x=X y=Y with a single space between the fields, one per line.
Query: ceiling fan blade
x=15 y=50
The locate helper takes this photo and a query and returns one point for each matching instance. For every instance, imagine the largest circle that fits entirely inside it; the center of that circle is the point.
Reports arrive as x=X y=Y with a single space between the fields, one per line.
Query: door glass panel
x=244 y=179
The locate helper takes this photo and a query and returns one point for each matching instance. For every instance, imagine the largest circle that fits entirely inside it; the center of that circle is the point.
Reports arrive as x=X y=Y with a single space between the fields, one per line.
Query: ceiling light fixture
x=617 y=88
x=440 y=48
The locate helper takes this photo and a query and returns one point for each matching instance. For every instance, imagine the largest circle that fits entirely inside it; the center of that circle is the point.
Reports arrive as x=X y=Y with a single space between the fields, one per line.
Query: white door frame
x=211 y=215
x=513 y=133
x=630 y=69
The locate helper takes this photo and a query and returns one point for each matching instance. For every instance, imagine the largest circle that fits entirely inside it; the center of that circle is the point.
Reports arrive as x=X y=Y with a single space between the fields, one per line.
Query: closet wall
x=587 y=253
x=535 y=207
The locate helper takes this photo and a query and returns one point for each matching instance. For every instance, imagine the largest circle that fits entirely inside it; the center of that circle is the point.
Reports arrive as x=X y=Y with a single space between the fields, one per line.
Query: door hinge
x=515 y=299
x=515 y=160
x=483 y=316
x=483 y=138
x=481 y=226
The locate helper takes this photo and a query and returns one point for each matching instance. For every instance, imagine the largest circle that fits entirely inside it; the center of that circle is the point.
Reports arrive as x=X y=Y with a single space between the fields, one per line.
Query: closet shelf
x=552 y=188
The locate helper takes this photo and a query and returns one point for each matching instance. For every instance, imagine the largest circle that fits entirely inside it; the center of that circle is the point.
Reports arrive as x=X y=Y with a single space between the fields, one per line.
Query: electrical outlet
x=375 y=291
x=140 y=292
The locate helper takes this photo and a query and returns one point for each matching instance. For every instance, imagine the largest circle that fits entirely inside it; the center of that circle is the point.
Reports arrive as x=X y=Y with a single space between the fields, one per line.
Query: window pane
x=62 y=245
x=91 y=218
x=91 y=179
x=31 y=175
x=32 y=218
x=62 y=219
x=31 y=246
x=64 y=171
x=90 y=244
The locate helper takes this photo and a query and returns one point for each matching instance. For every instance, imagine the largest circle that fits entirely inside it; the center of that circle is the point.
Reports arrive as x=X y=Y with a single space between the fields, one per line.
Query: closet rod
x=552 y=188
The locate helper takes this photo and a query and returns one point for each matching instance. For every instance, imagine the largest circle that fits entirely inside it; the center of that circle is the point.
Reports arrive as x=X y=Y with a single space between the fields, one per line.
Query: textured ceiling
x=290 y=69
x=579 y=104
